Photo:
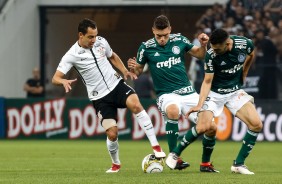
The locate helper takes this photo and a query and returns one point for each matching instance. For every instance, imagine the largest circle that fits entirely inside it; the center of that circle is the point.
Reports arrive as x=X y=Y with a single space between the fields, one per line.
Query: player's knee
x=212 y=131
x=205 y=127
x=257 y=126
x=112 y=135
x=110 y=126
x=172 y=112
x=135 y=106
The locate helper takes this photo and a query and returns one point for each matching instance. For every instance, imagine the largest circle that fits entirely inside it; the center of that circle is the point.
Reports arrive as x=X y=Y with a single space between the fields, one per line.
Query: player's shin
x=208 y=146
x=247 y=146
x=113 y=148
x=189 y=137
x=172 y=133
x=145 y=123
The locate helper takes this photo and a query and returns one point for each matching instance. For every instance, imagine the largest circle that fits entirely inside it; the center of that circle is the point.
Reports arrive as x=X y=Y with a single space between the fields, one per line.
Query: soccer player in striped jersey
x=90 y=57
x=226 y=66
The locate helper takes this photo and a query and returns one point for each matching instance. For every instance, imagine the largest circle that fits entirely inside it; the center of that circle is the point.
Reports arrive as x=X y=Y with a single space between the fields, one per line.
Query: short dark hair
x=218 y=36
x=161 y=22
x=84 y=24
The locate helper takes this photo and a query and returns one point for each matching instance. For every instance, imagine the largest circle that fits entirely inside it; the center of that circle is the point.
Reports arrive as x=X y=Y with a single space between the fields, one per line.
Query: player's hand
x=193 y=109
x=67 y=84
x=131 y=64
x=130 y=74
x=203 y=39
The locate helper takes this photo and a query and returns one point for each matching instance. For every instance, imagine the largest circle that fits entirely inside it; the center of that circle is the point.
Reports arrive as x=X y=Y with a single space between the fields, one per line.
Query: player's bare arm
x=249 y=60
x=116 y=61
x=200 y=52
x=205 y=89
x=134 y=66
x=59 y=80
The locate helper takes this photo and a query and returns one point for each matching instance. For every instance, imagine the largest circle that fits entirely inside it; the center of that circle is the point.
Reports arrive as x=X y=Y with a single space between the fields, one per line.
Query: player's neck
x=230 y=45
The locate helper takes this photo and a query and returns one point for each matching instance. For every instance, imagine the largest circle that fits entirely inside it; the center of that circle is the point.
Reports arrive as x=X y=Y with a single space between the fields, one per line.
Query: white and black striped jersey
x=93 y=66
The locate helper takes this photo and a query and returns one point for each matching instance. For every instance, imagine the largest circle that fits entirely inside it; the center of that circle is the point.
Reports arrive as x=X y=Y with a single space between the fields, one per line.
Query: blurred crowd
x=259 y=20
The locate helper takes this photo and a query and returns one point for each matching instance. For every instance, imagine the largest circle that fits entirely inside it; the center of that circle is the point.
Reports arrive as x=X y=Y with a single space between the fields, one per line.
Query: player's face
x=162 y=36
x=220 y=48
x=87 y=41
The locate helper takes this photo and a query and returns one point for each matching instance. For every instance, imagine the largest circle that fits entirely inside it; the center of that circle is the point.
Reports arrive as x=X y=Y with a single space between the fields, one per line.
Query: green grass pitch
x=85 y=161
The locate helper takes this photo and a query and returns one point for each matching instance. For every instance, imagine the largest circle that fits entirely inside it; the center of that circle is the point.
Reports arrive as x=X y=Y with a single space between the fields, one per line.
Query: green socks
x=172 y=133
x=247 y=146
x=208 y=146
x=190 y=137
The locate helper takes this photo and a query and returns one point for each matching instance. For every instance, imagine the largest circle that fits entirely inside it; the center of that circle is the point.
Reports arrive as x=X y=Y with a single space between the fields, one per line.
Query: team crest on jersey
x=101 y=50
x=241 y=57
x=175 y=49
x=94 y=93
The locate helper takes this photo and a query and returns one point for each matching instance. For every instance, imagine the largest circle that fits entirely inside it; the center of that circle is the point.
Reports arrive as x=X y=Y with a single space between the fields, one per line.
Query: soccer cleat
x=175 y=162
x=114 y=169
x=240 y=169
x=181 y=164
x=158 y=152
x=208 y=167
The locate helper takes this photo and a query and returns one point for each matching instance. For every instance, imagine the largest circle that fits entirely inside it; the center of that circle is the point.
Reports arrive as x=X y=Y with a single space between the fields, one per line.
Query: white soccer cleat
x=114 y=169
x=171 y=160
x=240 y=169
x=158 y=152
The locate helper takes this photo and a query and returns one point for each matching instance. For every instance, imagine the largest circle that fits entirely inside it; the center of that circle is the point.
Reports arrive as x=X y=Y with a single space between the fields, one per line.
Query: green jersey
x=167 y=64
x=228 y=67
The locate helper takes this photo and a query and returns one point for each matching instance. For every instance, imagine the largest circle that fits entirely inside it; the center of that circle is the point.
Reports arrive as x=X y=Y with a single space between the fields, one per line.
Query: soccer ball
x=151 y=164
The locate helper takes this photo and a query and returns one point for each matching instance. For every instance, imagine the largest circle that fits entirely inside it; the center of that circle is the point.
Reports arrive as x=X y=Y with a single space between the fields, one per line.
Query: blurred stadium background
x=39 y=32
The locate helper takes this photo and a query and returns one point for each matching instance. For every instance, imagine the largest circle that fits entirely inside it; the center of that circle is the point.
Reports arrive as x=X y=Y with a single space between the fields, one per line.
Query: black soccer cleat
x=208 y=167
x=181 y=164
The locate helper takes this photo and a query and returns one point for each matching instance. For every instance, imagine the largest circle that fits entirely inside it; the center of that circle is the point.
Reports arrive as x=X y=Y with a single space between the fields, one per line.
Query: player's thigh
x=248 y=114
x=169 y=105
x=133 y=103
x=187 y=102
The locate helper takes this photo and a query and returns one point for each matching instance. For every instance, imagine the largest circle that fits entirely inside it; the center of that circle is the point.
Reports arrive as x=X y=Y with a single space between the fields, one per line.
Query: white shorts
x=184 y=103
x=233 y=101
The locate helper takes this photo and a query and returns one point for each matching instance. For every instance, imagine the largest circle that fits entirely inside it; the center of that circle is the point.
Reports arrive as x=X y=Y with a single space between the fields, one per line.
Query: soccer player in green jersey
x=226 y=66
x=164 y=55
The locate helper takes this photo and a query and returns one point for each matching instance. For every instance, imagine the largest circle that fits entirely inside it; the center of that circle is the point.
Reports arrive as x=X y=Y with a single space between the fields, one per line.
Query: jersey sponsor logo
x=141 y=54
x=175 y=49
x=228 y=90
x=156 y=54
x=249 y=50
x=171 y=61
x=209 y=65
x=233 y=70
x=175 y=39
x=82 y=59
x=184 y=90
x=81 y=52
x=117 y=75
x=186 y=41
x=241 y=57
x=240 y=46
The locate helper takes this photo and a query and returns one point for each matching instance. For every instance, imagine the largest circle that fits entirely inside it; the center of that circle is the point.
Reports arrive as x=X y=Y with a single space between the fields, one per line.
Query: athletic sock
x=247 y=146
x=172 y=133
x=208 y=146
x=190 y=137
x=145 y=123
x=113 y=149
